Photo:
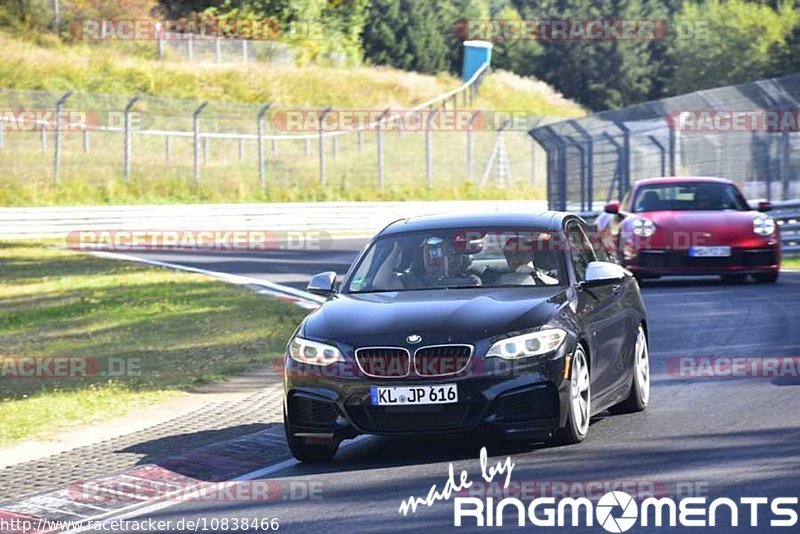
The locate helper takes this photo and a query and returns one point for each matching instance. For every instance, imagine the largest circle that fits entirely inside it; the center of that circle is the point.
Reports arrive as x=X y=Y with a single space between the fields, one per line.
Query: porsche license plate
x=710 y=252
x=406 y=395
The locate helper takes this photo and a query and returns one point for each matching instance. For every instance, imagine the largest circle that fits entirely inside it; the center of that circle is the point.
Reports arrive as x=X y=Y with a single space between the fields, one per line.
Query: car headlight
x=526 y=345
x=314 y=353
x=764 y=226
x=643 y=227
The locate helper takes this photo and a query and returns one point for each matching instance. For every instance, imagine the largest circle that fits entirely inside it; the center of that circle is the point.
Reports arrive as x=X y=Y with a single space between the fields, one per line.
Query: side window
x=581 y=250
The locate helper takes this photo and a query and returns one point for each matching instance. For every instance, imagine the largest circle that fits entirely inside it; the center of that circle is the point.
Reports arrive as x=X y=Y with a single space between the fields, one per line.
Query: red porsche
x=691 y=226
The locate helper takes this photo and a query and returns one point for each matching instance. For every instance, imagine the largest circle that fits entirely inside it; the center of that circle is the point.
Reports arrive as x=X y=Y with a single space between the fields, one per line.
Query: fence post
x=86 y=144
x=379 y=131
x=42 y=139
x=673 y=145
x=360 y=142
x=589 y=161
x=429 y=148
x=262 y=179
x=240 y=149
x=470 y=156
x=245 y=54
x=625 y=183
x=127 y=142
x=196 y=139
x=168 y=147
x=322 y=147
x=217 y=50
x=190 y=47
x=57 y=152
x=786 y=160
x=160 y=38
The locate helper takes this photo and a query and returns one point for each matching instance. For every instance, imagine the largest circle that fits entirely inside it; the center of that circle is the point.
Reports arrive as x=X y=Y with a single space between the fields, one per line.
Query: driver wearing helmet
x=444 y=267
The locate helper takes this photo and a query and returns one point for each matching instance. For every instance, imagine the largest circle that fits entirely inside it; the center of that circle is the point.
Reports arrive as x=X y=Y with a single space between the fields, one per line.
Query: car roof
x=681 y=179
x=543 y=220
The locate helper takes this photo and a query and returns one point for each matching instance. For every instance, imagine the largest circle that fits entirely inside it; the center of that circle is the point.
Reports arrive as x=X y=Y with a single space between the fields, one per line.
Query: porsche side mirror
x=764 y=206
x=322 y=284
x=599 y=273
x=612 y=208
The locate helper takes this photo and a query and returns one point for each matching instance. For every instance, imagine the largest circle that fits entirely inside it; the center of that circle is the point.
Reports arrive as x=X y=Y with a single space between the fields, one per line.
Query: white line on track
x=280 y=289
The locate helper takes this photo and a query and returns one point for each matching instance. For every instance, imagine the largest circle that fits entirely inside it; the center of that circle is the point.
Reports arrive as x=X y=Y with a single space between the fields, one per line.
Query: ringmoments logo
x=618 y=511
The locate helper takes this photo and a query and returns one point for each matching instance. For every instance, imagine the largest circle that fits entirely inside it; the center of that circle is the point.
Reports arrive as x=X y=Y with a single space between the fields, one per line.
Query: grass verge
x=172 y=330
x=791 y=263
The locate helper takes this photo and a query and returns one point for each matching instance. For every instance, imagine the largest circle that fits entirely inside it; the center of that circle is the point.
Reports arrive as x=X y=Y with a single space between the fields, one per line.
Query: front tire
x=640 y=387
x=580 y=401
x=766 y=278
x=306 y=450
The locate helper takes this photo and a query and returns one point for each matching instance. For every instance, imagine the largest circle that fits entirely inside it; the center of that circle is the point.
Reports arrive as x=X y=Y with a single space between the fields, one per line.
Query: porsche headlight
x=313 y=353
x=764 y=226
x=526 y=345
x=643 y=227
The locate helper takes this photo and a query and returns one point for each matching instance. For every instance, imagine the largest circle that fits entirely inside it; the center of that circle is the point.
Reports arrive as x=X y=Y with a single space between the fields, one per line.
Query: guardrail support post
x=262 y=179
x=322 y=177
x=196 y=137
x=57 y=152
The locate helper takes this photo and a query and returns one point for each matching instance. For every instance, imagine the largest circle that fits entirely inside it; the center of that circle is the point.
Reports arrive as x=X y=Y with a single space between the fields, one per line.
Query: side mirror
x=764 y=206
x=612 y=208
x=322 y=284
x=602 y=272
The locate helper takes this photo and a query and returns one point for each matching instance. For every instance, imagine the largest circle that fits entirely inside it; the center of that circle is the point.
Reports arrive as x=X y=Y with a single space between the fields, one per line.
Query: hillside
x=125 y=69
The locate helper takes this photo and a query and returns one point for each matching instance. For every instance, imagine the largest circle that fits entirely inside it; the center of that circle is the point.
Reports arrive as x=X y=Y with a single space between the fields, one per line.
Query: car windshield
x=693 y=196
x=454 y=259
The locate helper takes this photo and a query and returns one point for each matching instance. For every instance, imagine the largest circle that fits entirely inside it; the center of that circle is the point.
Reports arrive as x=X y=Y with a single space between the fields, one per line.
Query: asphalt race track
x=716 y=437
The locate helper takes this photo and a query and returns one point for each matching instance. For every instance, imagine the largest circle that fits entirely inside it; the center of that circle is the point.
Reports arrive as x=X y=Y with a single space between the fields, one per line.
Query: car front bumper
x=679 y=262
x=525 y=401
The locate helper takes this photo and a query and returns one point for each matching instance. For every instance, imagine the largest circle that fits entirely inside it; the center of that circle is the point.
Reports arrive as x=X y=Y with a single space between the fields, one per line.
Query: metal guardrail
x=786 y=214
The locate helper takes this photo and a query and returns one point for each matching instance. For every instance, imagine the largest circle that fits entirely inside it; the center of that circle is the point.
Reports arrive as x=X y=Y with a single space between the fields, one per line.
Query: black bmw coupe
x=513 y=323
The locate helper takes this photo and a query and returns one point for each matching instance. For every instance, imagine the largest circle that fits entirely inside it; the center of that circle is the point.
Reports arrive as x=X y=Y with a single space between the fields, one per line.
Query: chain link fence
x=747 y=133
x=97 y=140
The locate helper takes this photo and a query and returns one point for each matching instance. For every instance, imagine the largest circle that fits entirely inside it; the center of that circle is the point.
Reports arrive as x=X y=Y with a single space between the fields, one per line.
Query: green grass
x=791 y=263
x=181 y=329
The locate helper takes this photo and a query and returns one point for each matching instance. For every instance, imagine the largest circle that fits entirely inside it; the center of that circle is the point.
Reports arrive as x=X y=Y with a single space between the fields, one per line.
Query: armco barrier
x=786 y=213
x=332 y=217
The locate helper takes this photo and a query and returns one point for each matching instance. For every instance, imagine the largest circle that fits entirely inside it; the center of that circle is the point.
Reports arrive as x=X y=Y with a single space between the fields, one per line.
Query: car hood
x=439 y=316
